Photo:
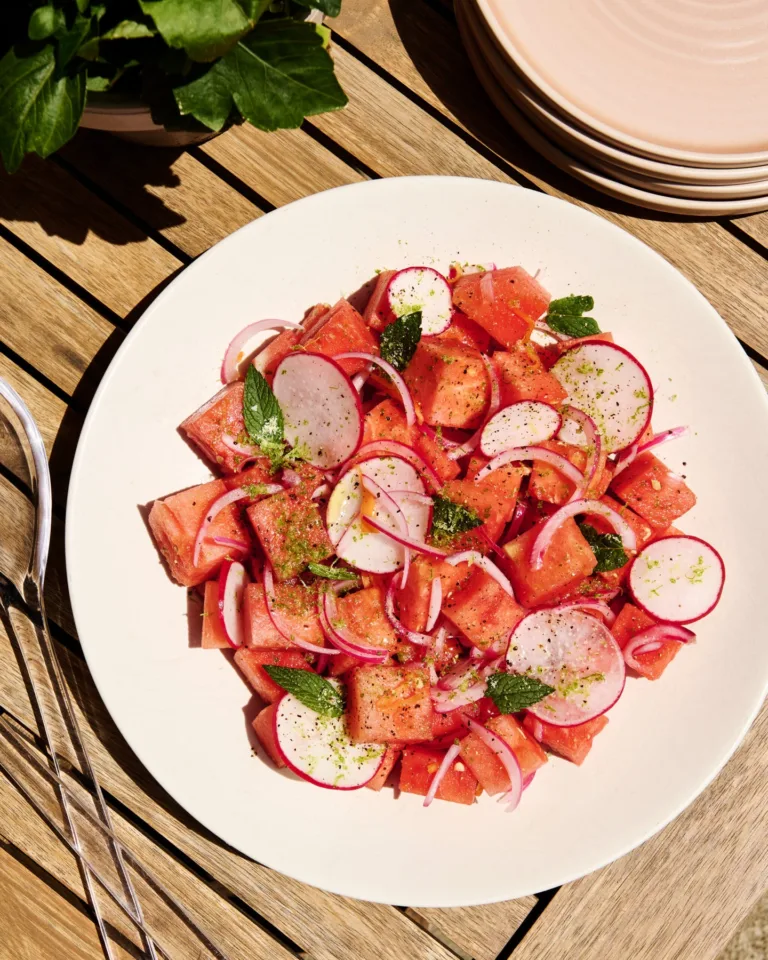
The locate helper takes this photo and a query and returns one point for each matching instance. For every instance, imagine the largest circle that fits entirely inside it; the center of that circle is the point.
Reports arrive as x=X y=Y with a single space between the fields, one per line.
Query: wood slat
x=710 y=858
x=480 y=932
x=329 y=927
x=756 y=227
x=281 y=166
x=26 y=898
x=423 y=50
x=168 y=189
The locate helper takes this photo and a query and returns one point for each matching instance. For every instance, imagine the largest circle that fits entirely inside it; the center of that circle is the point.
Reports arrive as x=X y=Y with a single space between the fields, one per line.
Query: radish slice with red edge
x=394 y=376
x=652 y=639
x=574 y=653
x=393 y=448
x=677 y=579
x=591 y=507
x=448 y=760
x=329 y=621
x=413 y=636
x=506 y=755
x=590 y=438
x=425 y=290
x=518 y=454
x=233 y=579
x=231 y=496
x=319 y=749
x=435 y=602
x=320 y=407
x=461 y=450
x=590 y=606
x=277 y=621
x=234 y=352
x=488 y=566
x=608 y=384
x=391 y=506
x=521 y=424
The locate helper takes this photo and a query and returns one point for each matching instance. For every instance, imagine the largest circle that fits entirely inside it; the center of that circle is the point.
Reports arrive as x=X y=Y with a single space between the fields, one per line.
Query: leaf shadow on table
x=95 y=184
x=429 y=34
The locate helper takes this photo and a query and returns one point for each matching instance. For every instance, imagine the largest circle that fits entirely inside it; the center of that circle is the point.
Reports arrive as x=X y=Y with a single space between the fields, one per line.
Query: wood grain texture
x=755 y=226
x=329 y=927
x=78 y=233
x=422 y=49
x=169 y=190
x=480 y=932
x=681 y=895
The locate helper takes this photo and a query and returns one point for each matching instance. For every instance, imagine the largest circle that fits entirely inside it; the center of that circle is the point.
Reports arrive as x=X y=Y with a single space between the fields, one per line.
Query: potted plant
x=161 y=71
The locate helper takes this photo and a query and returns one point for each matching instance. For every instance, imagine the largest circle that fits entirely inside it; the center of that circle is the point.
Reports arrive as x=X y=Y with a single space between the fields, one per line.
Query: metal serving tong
x=20 y=762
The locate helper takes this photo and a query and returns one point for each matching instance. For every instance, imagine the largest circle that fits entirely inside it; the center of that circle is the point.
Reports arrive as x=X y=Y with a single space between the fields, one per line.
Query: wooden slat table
x=86 y=240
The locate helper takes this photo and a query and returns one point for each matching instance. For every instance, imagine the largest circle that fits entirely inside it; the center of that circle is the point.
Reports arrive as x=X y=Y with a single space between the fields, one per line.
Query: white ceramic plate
x=184 y=711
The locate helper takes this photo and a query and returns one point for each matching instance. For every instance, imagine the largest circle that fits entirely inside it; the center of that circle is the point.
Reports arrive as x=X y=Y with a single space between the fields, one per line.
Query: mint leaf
x=449 y=519
x=607 y=548
x=331 y=8
x=261 y=411
x=400 y=339
x=205 y=29
x=314 y=691
x=566 y=316
x=513 y=692
x=39 y=109
x=45 y=21
x=331 y=573
x=274 y=77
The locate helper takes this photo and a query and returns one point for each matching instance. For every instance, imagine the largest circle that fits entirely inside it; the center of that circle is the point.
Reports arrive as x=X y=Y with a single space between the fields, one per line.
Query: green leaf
x=39 y=110
x=275 y=77
x=607 y=548
x=128 y=30
x=314 y=691
x=566 y=316
x=206 y=29
x=45 y=21
x=82 y=5
x=331 y=573
x=71 y=42
x=331 y=8
x=400 y=339
x=254 y=9
x=513 y=692
x=261 y=411
x=449 y=519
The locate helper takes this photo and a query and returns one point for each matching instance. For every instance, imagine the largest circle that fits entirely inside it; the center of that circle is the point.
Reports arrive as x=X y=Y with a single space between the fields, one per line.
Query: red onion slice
x=360 y=379
x=561 y=463
x=521 y=508
x=231 y=496
x=461 y=673
x=416 y=545
x=229 y=542
x=462 y=450
x=651 y=639
x=658 y=438
x=321 y=491
x=439 y=648
x=290 y=477
x=393 y=448
x=435 y=602
x=571 y=509
x=327 y=615
x=421 y=639
x=432 y=434
x=624 y=459
x=594 y=443
x=537 y=728
x=597 y=606
x=402 y=389
x=451 y=753
x=412 y=495
x=244 y=449
x=233 y=579
x=233 y=356
x=472 y=556
x=544 y=327
x=487 y=291
x=506 y=754
x=279 y=624
x=446 y=701
x=392 y=509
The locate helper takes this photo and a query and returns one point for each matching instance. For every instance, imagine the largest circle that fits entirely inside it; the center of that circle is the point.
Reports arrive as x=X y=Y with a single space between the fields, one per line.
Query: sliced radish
x=234 y=353
x=652 y=639
x=393 y=448
x=318 y=748
x=574 y=653
x=519 y=425
x=233 y=579
x=677 y=579
x=572 y=509
x=593 y=606
x=608 y=384
x=424 y=289
x=320 y=406
x=352 y=513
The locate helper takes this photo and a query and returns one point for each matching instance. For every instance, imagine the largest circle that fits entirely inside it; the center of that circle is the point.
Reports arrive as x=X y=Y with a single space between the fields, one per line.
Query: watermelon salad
x=440 y=537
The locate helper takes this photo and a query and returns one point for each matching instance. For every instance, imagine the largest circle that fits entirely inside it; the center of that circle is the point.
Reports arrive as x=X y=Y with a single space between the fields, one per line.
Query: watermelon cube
x=221 y=416
x=466 y=331
x=256 y=476
x=264 y=725
x=252 y=662
x=377 y=313
x=509 y=311
x=175 y=522
x=268 y=358
x=391 y=756
x=343 y=331
x=572 y=743
x=257 y=624
x=291 y=531
x=487 y=767
x=490 y=507
x=413 y=599
x=483 y=611
x=449 y=727
x=568 y=560
x=503 y=484
x=522 y=376
x=653 y=491
x=389 y=703
x=549 y=484
x=420 y=764
x=631 y=621
x=386 y=421
x=214 y=637
x=362 y=618
x=448 y=383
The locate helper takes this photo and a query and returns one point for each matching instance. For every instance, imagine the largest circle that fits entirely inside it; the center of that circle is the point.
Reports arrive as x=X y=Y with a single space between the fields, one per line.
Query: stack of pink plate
x=663 y=103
